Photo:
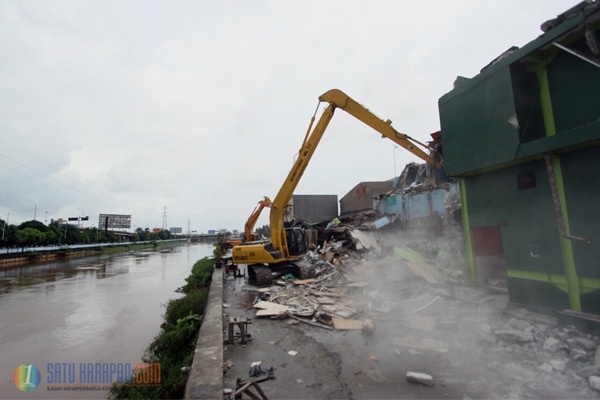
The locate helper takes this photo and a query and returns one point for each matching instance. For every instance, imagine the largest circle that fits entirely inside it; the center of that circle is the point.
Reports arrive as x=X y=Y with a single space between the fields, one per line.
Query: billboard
x=114 y=221
x=176 y=231
x=79 y=218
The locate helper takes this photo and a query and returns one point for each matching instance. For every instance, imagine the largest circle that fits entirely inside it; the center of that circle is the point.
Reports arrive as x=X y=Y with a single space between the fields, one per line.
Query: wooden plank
x=304 y=281
x=424 y=270
x=267 y=305
x=269 y=313
x=409 y=254
x=347 y=324
x=309 y=322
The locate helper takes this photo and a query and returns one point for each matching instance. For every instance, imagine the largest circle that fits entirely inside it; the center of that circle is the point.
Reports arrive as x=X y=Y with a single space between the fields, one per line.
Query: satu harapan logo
x=26 y=377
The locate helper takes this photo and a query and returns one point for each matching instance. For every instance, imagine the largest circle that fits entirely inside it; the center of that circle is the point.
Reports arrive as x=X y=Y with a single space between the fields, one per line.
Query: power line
x=51 y=178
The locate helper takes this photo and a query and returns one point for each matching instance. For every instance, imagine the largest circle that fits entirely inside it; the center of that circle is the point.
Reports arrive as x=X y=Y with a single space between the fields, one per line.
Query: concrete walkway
x=313 y=363
x=206 y=375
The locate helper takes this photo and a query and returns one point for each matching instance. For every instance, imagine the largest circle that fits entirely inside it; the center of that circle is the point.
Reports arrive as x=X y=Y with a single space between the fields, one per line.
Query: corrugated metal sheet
x=314 y=208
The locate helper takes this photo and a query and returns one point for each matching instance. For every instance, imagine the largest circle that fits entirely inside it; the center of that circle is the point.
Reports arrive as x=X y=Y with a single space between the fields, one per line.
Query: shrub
x=174 y=346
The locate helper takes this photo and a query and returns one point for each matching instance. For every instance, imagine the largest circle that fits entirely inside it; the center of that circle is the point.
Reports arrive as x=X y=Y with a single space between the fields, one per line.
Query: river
x=103 y=309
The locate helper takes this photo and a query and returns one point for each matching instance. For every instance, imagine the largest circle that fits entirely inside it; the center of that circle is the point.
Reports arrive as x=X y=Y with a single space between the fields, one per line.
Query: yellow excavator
x=282 y=254
x=249 y=235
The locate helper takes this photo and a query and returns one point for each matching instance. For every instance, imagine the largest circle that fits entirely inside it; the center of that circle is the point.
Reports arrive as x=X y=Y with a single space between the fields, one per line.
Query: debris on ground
x=418 y=290
x=419 y=377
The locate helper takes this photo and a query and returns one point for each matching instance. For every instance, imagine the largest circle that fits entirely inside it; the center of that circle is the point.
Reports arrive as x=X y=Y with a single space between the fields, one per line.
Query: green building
x=523 y=137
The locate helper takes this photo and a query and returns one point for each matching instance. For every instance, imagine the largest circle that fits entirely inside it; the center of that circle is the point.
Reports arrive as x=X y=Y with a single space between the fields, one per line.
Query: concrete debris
x=584 y=343
x=586 y=372
x=421 y=343
x=486 y=334
x=485 y=328
x=419 y=377
x=368 y=326
x=594 y=382
x=552 y=344
x=513 y=336
x=546 y=367
x=376 y=376
x=579 y=355
x=518 y=324
x=558 y=365
x=416 y=293
x=487 y=338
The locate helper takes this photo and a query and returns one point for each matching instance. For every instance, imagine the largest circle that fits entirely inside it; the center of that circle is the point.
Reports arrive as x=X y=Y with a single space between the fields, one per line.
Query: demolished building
x=522 y=137
x=360 y=197
x=421 y=199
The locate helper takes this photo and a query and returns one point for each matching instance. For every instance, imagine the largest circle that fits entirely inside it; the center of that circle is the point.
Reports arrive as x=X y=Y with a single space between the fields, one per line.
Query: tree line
x=35 y=233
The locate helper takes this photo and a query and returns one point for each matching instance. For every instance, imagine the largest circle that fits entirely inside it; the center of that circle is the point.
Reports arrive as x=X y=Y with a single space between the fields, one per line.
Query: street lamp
x=46 y=220
x=6 y=223
x=395 y=147
x=34 y=209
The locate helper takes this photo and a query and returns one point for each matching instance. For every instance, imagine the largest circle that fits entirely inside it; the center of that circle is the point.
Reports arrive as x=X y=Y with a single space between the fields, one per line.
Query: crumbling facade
x=523 y=138
x=420 y=198
x=360 y=198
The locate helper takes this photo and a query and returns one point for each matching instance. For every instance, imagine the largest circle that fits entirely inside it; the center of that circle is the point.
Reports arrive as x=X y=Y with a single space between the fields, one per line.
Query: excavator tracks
x=262 y=275
x=259 y=275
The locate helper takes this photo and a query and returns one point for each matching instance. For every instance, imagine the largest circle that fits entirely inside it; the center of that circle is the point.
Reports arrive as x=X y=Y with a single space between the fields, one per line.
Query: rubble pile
x=355 y=270
x=565 y=351
x=415 y=298
x=322 y=301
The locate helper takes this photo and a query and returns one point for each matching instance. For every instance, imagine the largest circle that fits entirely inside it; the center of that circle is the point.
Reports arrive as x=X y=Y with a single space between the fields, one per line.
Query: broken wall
x=418 y=208
x=528 y=118
x=361 y=196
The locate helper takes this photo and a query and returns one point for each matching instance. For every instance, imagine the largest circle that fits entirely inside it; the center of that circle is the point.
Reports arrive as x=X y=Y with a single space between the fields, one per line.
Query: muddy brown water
x=102 y=310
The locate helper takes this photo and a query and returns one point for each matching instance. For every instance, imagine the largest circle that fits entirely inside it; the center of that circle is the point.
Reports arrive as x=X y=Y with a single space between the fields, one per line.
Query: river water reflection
x=103 y=309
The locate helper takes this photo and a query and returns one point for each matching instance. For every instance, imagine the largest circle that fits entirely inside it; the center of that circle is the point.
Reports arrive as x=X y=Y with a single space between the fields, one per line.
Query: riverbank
x=100 y=309
x=42 y=255
x=173 y=347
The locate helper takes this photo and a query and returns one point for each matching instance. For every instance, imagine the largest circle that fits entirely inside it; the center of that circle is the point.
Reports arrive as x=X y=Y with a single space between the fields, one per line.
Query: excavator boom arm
x=291 y=181
x=360 y=112
x=336 y=99
x=249 y=227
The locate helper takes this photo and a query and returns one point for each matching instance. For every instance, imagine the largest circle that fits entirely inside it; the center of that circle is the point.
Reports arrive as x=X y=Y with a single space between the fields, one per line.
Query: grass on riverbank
x=173 y=348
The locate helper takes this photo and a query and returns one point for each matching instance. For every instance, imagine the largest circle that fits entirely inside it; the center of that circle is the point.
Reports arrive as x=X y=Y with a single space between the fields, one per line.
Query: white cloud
x=133 y=106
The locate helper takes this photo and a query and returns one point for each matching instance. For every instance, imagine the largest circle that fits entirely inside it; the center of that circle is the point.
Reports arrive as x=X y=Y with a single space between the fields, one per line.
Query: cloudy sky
x=197 y=108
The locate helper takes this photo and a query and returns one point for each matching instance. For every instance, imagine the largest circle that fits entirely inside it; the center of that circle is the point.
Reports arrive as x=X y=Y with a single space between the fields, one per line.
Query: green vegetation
x=264 y=231
x=174 y=346
x=35 y=233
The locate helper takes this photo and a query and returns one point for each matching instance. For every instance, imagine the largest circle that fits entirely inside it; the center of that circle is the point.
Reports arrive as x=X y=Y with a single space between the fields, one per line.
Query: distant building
x=312 y=208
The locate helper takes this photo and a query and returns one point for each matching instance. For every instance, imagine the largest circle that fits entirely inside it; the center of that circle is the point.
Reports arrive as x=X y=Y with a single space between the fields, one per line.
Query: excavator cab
x=295 y=241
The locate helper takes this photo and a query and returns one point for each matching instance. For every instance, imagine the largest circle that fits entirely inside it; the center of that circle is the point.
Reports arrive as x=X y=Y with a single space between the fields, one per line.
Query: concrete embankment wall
x=12 y=260
x=206 y=374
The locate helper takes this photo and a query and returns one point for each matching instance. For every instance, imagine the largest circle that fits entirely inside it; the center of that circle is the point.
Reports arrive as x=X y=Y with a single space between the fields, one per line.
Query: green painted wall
x=499 y=125
x=581 y=172
x=526 y=217
x=575 y=89
x=479 y=135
